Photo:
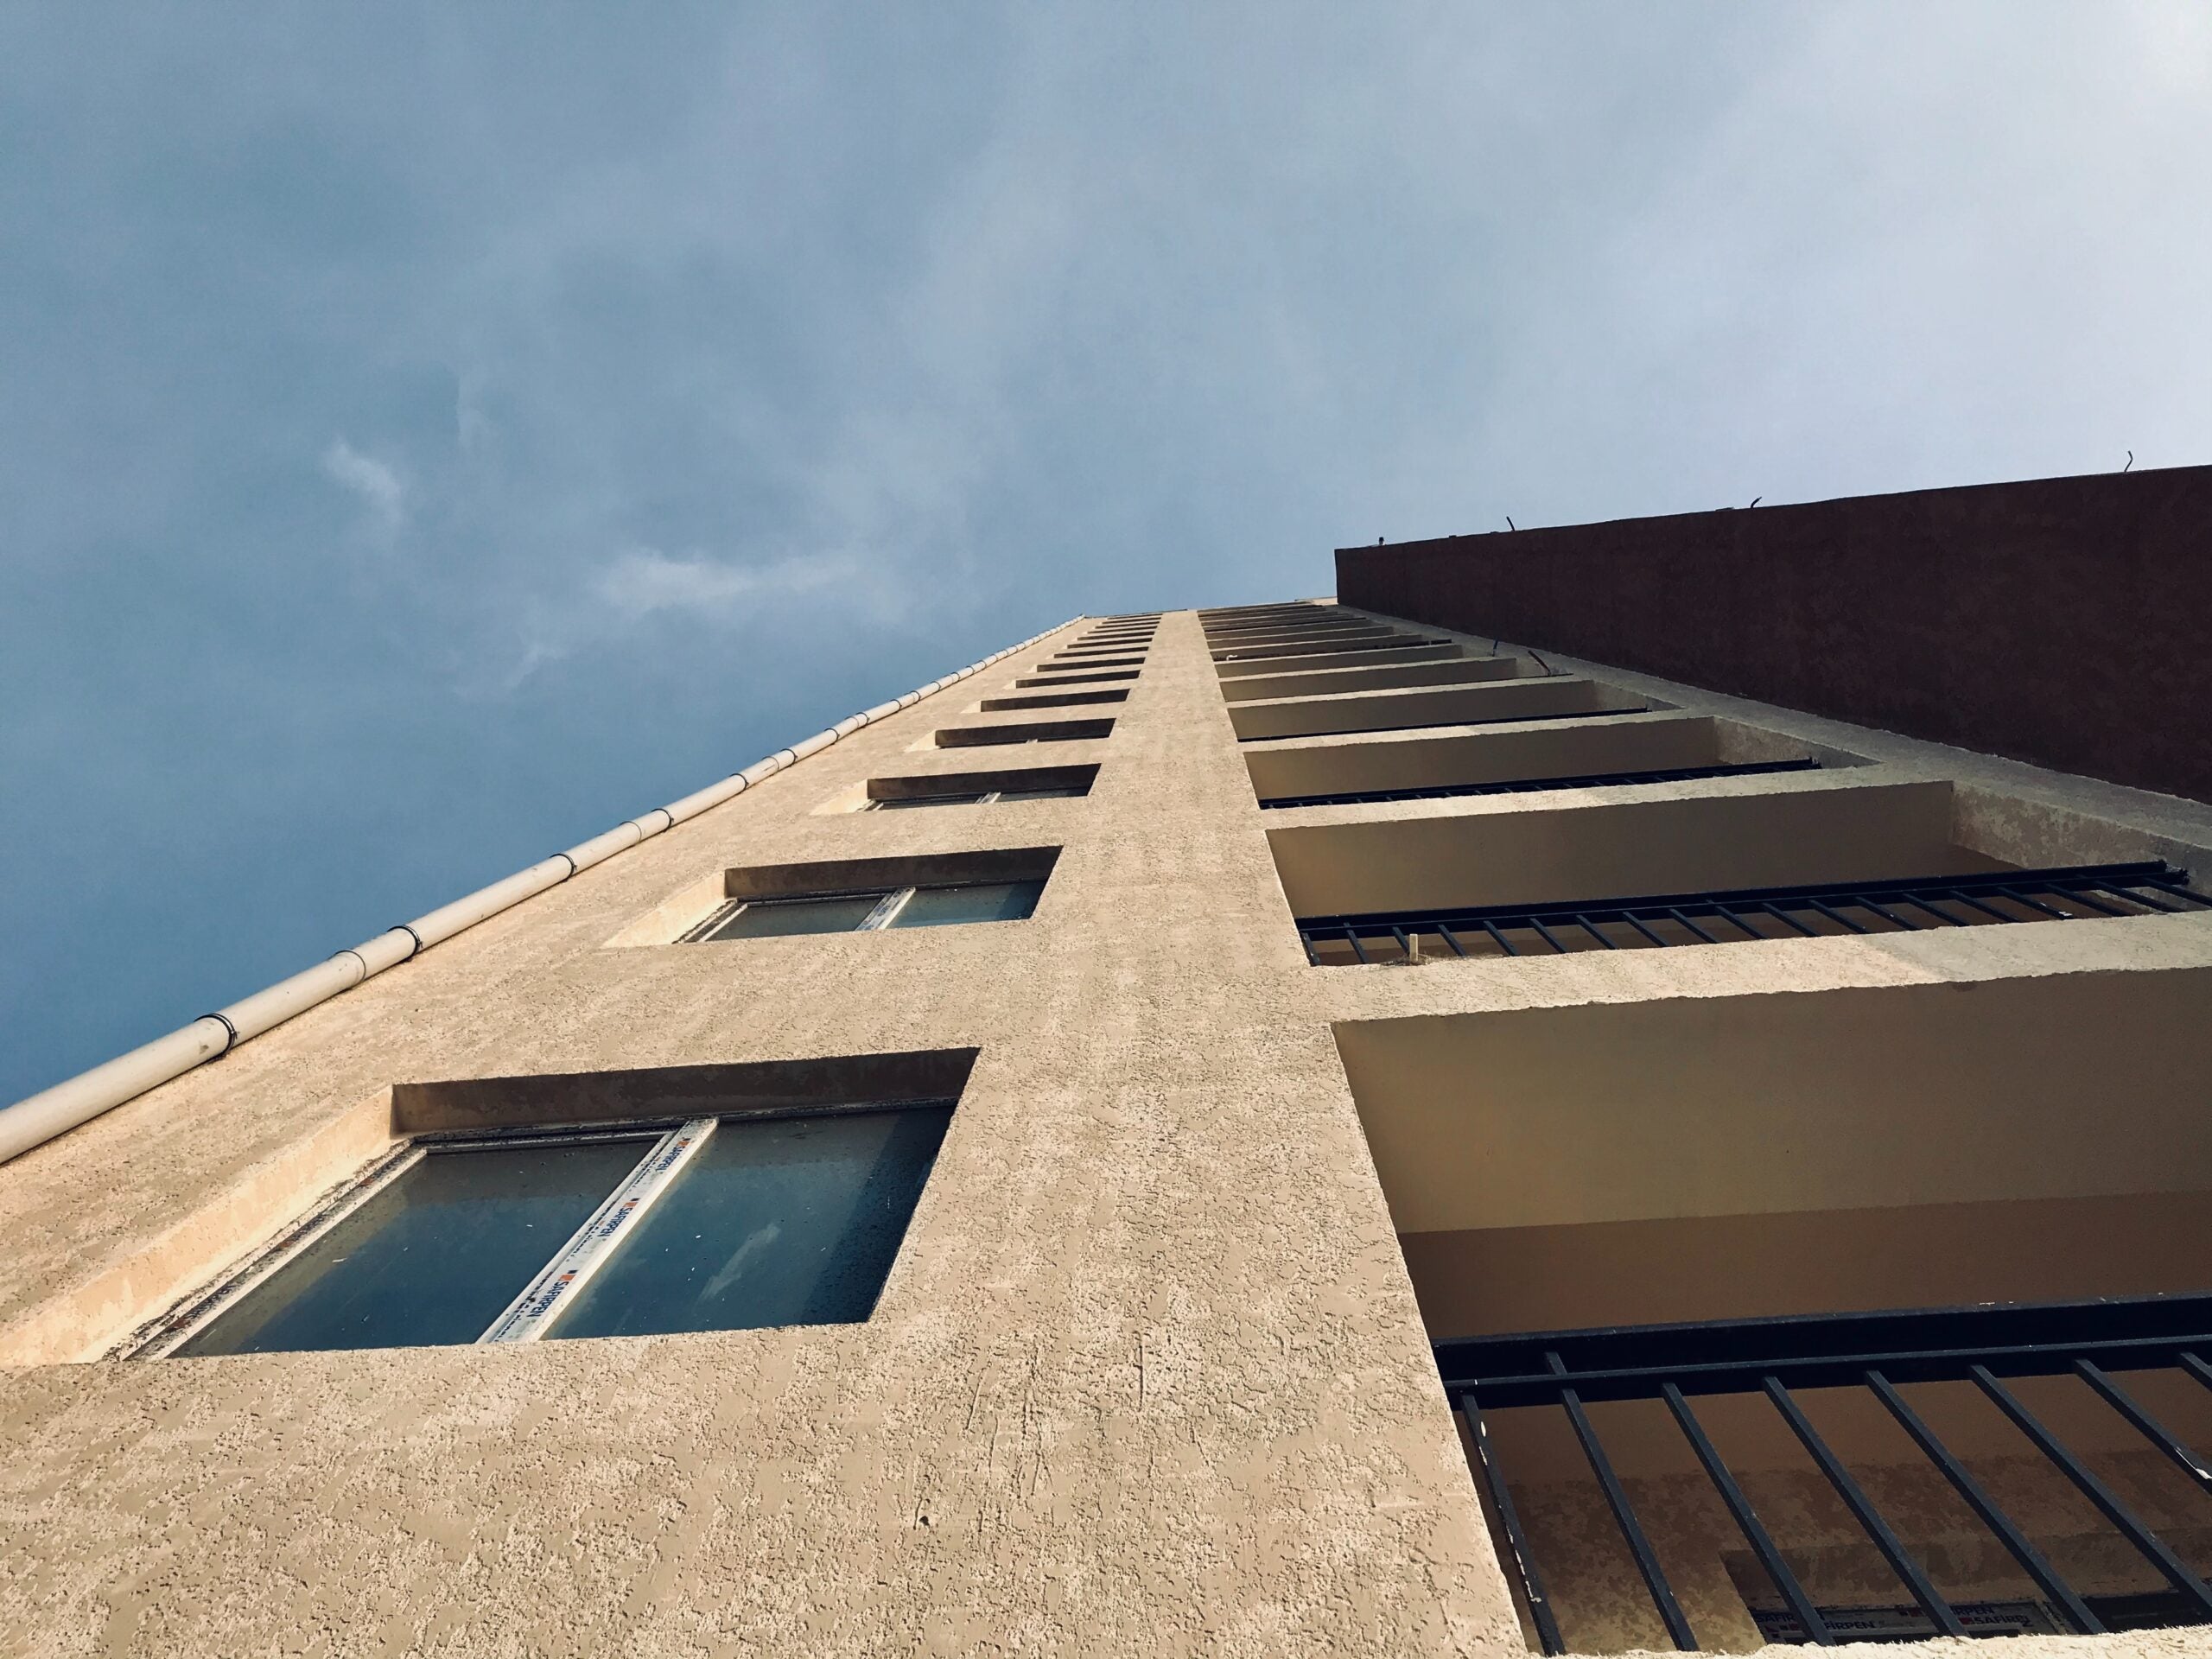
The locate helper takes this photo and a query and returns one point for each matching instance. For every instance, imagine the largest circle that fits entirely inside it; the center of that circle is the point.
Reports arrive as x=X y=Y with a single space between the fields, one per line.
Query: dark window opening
x=713 y=1224
x=869 y=911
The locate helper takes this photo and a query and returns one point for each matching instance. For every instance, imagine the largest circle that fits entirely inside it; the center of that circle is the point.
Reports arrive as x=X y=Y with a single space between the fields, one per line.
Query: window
x=1041 y=731
x=972 y=789
x=984 y=798
x=713 y=1224
x=869 y=911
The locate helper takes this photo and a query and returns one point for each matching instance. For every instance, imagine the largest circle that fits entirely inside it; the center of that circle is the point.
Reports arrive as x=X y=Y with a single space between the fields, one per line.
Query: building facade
x=1287 y=1130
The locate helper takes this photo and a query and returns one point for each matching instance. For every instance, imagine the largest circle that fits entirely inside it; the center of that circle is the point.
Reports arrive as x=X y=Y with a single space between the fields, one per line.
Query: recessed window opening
x=1043 y=731
x=1075 y=679
x=712 y=1223
x=869 y=909
x=1053 y=700
x=985 y=798
x=980 y=788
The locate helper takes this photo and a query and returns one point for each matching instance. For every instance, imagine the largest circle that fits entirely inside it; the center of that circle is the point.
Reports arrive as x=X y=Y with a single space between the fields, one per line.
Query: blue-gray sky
x=431 y=434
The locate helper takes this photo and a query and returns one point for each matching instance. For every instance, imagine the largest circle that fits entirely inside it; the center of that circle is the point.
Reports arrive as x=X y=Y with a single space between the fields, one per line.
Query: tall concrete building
x=1368 y=1127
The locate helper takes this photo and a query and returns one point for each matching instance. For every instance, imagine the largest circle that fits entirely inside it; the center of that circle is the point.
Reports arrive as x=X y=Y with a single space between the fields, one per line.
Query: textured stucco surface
x=1148 y=1376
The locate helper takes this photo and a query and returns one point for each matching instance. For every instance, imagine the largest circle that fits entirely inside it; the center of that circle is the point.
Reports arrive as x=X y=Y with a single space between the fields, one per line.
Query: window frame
x=667 y=1145
x=980 y=797
x=890 y=902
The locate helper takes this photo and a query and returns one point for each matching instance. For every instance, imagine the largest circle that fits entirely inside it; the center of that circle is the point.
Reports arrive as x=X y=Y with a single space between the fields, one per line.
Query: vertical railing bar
x=1305 y=939
x=2149 y=1427
x=1968 y=899
x=1357 y=949
x=1692 y=926
x=1501 y=942
x=1630 y=917
x=1647 y=1561
x=2152 y=1546
x=1546 y=934
x=1451 y=939
x=1862 y=1507
x=1595 y=932
x=1741 y=925
x=1865 y=901
x=2133 y=896
x=2018 y=897
x=2174 y=889
x=1405 y=949
x=1747 y=1520
x=2015 y=1541
x=1839 y=919
x=2080 y=895
x=1532 y=1584
x=1911 y=896
x=1781 y=915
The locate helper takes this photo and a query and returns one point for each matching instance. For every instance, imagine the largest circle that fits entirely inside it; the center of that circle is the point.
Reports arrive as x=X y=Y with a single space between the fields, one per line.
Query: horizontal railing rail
x=1533 y=785
x=1828 y=910
x=1879 y=1353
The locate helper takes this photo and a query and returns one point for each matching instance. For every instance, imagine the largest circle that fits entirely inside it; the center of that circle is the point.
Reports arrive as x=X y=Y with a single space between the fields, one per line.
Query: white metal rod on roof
x=39 y=1118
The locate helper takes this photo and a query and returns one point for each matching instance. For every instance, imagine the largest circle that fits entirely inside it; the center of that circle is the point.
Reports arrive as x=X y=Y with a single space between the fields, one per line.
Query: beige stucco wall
x=1148 y=1378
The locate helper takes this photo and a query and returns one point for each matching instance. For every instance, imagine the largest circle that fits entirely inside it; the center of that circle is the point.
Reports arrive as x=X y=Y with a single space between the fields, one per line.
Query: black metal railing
x=1828 y=910
x=1531 y=785
x=1881 y=1354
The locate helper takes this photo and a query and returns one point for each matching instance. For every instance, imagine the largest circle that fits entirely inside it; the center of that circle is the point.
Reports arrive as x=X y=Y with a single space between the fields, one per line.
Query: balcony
x=2076 y=1382
x=1765 y=1314
x=1517 y=758
x=1562 y=696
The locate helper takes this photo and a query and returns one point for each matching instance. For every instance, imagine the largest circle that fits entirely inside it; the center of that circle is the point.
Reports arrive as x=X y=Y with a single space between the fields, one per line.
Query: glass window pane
x=433 y=1257
x=767 y=918
x=781 y=1221
x=987 y=901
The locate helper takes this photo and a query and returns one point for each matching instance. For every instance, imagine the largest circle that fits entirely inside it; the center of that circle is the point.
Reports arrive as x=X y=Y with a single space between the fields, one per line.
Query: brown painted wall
x=2065 y=621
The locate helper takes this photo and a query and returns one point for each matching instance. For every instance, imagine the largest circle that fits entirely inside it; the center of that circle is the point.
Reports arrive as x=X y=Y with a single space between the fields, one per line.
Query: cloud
x=624 y=592
x=375 y=482
x=640 y=582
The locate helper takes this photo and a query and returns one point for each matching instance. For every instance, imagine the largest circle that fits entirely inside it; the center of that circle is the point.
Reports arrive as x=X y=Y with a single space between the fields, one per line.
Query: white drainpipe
x=38 y=1118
